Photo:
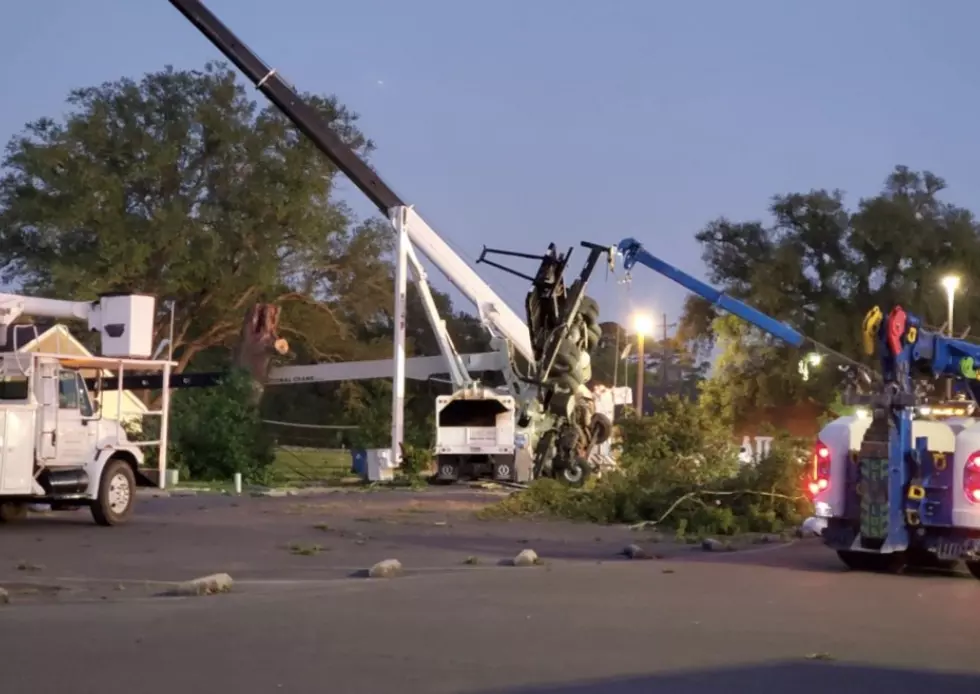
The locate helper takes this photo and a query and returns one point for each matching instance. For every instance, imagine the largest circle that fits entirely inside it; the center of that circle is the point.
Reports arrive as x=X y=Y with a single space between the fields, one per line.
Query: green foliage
x=416 y=460
x=679 y=468
x=181 y=186
x=820 y=267
x=216 y=432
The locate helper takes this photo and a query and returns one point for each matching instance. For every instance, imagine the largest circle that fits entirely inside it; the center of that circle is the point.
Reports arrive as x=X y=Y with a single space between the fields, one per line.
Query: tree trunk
x=259 y=342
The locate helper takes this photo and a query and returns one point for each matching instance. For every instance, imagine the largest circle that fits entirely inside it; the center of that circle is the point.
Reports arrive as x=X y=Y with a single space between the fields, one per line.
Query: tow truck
x=897 y=483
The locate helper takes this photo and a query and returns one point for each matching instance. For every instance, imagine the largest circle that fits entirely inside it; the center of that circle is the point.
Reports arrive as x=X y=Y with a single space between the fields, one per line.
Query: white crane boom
x=488 y=303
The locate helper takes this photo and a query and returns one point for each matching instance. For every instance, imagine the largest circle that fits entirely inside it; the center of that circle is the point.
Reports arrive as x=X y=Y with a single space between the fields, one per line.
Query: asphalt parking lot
x=86 y=612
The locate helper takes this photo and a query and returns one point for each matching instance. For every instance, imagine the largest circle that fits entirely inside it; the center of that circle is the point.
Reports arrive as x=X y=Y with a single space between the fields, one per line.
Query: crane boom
x=308 y=121
x=633 y=252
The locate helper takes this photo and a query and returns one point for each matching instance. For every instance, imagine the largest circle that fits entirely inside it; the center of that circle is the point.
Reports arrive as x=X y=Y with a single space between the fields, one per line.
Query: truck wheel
x=589 y=310
x=11 y=512
x=117 y=492
x=601 y=428
x=974 y=568
x=575 y=473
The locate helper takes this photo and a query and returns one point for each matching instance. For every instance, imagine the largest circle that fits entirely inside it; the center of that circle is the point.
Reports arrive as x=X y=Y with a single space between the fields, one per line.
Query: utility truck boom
x=556 y=414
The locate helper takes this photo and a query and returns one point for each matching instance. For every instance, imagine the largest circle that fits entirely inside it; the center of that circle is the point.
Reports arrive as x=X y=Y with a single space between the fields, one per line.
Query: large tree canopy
x=181 y=186
x=820 y=267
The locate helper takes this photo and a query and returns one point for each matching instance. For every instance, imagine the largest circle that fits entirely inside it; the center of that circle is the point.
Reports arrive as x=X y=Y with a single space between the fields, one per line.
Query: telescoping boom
x=490 y=306
x=633 y=252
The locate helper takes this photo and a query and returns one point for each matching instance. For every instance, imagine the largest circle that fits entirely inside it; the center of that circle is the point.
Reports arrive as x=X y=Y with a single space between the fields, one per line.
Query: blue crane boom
x=633 y=253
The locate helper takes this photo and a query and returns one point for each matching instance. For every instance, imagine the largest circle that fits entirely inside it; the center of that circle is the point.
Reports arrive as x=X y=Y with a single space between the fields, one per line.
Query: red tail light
x=971 y=477
x=820 y=475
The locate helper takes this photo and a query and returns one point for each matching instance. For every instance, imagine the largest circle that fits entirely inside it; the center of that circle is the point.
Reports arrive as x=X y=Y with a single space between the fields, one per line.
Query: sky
x=516 y=123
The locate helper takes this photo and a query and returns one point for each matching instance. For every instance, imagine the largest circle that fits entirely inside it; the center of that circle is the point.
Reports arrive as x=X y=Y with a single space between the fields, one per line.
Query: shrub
x=216 y=432
x=416 y=460
x=679 y=468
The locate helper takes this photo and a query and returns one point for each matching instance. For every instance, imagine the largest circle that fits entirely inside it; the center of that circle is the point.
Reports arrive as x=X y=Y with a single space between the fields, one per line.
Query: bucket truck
x=556 y=413
x=56 y=447
x=898 y=482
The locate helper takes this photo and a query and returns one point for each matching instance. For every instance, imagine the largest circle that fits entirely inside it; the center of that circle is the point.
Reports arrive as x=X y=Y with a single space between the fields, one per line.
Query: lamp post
x=642 y=326
x=950 y=283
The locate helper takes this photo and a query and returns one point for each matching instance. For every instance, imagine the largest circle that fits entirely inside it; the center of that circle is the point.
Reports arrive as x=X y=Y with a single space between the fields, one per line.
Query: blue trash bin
x=358 y=465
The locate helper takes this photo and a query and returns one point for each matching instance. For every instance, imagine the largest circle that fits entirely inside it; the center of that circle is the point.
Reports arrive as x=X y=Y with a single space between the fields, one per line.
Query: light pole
x=642 y=326
x=950 y=283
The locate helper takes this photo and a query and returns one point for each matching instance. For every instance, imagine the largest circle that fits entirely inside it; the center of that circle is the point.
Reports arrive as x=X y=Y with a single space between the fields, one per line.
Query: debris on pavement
x=635 y=552
x=205 y=585
x=526 y=557
x=819 y=656
x=387 y=568
x=710 y=544
x=4 y=596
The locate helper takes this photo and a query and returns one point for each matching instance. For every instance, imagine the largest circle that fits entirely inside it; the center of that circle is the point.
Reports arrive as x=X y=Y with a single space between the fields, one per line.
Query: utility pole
x=639 y=374
x=616 y=363
x=663 y=356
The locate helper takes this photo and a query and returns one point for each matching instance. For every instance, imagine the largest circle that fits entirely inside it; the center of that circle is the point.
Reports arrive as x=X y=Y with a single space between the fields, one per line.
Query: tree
x=671 y=367
x=181 y=186
x=821 y=267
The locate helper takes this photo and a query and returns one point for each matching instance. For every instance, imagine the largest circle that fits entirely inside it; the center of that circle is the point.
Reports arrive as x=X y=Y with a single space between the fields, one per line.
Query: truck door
x=47 y=448
x=74 y=444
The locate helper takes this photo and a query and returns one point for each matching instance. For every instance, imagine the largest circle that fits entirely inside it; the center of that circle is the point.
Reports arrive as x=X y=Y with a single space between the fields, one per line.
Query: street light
x=950 y=283
x=642 y=326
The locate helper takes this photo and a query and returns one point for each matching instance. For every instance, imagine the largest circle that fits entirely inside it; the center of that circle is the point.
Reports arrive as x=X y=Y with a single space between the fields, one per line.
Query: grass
x=294 y=465
x=304 y=550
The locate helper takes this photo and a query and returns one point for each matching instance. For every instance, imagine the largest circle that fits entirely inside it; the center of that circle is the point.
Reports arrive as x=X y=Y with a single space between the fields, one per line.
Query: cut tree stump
x=259 y=342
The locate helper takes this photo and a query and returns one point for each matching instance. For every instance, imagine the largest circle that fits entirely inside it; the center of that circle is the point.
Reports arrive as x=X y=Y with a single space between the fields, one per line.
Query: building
x=55 y=338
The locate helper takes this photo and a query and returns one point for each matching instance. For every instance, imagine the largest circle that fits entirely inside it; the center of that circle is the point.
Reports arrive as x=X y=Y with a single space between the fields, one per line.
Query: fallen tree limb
x=695 y=496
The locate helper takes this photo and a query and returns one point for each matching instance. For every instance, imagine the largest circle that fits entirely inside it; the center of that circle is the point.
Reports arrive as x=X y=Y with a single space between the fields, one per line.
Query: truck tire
x=974 y=568
x=576 y=473
x=11 y=511
x=589 y=310
x=601 y=428
x=870 y=561
x=117 y=493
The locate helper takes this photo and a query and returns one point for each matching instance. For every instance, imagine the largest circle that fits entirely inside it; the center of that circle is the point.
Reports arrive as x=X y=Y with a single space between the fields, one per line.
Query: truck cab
x=55 y=446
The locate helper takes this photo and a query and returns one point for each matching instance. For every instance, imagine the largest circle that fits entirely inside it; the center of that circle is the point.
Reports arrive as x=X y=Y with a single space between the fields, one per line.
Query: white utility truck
x=476 y=434
x=56 y=448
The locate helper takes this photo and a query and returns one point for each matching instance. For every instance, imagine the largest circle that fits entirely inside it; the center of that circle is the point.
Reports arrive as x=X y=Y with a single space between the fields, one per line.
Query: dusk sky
x=513 y=124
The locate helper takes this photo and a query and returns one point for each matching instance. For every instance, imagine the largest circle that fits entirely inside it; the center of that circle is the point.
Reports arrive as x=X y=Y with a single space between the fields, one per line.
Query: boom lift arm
x=633 y=253
x=570 y=416
x=309 y=122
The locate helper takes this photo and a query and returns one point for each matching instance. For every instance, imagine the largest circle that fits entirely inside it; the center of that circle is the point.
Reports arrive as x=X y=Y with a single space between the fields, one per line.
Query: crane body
x=899 y=482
